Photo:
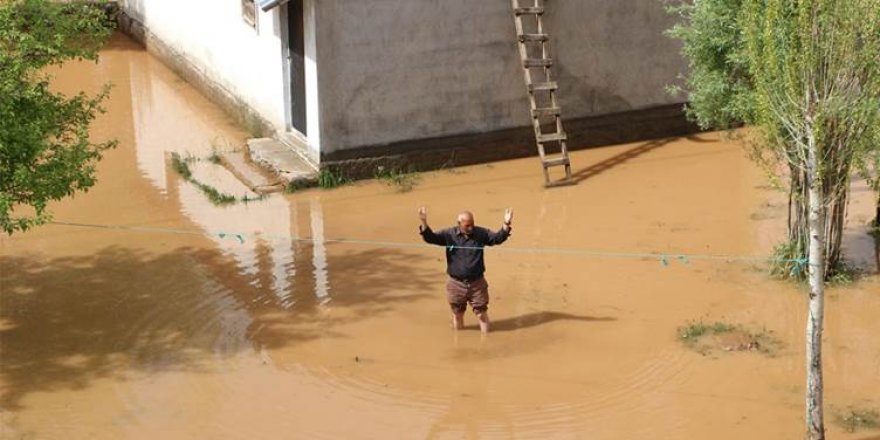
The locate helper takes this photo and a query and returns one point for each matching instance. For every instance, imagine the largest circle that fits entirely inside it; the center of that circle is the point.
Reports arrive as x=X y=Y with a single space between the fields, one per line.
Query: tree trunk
x=814 y=411
x=798 y=213
x=834 y=219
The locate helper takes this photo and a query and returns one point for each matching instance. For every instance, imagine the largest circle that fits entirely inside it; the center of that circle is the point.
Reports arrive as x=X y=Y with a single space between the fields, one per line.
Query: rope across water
x=663 y=258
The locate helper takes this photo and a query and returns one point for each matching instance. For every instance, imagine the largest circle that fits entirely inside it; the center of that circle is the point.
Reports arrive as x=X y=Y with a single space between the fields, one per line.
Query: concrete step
x=220 y=179
x=254 y=177
x=283 y=161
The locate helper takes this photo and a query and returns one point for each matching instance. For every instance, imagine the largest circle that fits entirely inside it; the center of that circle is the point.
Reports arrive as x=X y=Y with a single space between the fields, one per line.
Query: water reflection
x=167 y=117
x=261 y=237
x=319 y=253
x=265 y=241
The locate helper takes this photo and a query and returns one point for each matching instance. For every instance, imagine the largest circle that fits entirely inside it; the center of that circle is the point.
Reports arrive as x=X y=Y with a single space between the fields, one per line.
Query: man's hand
x=508 y=217
x=423 y=216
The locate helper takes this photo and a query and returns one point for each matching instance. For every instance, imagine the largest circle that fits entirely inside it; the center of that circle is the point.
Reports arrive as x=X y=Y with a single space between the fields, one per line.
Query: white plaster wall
x=212 y=36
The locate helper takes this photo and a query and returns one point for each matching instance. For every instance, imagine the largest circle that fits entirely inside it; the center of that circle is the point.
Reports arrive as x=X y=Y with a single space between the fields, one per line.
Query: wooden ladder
x=545 y=112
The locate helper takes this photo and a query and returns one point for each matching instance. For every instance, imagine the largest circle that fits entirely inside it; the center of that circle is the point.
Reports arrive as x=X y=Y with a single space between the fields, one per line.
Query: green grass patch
x=706 y=338
x=328 y=179
x=216 y=197
x=694 y=330
x=857 y=419
x=785 y=262
x=181 y=166
x=403 y=181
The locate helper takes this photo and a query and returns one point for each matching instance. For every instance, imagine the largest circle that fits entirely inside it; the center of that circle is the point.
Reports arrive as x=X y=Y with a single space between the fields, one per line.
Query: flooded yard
x=146 y=312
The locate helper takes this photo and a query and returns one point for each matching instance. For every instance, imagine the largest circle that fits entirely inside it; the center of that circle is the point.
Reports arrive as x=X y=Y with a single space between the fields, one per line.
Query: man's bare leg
x=484 y=321
x=458 y=320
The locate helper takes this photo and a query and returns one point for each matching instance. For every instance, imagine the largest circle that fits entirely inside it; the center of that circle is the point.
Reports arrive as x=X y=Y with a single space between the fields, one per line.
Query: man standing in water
x=464 y=263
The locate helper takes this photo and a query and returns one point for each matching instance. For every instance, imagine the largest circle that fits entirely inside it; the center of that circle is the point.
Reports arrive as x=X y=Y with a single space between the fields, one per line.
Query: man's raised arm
x=501 y=236
x=427 y=234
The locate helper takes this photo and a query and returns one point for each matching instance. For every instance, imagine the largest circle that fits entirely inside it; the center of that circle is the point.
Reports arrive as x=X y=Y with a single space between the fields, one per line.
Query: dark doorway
x=296 y=65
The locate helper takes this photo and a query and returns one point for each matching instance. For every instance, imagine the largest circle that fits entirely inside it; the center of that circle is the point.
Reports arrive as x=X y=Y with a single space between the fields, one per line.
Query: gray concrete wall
x=398 y=70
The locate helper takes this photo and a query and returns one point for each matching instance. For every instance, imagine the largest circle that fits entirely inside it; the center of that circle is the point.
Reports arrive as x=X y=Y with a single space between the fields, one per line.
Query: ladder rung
x=542 y=138
x=531 y=10
x=543 y=86
x=537 y=62
x=533 y=37
x=556 y=162
x=550 y=111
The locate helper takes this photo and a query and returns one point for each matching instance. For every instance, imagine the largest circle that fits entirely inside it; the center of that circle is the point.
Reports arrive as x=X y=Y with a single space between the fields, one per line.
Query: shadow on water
x=538 y=318
x=618 y=159
x=67 y=321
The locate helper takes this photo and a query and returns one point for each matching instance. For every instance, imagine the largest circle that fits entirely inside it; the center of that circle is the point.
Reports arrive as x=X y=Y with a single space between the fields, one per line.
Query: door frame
x=308 y=144
x=295 y=94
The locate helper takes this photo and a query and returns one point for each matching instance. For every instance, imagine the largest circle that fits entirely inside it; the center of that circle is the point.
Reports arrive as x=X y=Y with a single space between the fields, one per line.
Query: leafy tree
x=45 y=150
x=721 y=89
x=719 y=86
x=805 y=74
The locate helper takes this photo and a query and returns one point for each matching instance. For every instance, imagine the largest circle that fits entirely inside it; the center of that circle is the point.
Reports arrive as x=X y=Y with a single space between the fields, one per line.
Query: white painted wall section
x=212 y=36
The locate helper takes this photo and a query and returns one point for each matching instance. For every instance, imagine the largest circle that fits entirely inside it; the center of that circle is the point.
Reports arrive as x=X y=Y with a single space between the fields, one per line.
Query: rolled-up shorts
x=461 y=293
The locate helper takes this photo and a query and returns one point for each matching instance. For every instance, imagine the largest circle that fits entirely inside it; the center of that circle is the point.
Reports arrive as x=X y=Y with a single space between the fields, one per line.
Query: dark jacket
x=464 y=254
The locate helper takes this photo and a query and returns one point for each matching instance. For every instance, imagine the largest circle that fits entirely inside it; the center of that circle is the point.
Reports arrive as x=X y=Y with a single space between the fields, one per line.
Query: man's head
x=466 y=222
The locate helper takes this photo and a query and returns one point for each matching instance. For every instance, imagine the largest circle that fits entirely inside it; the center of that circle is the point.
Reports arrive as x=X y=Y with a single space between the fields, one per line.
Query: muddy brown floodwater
x=170 y=325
